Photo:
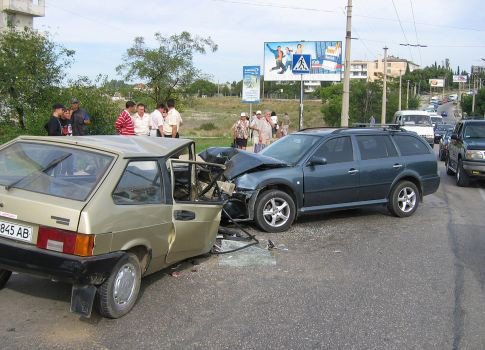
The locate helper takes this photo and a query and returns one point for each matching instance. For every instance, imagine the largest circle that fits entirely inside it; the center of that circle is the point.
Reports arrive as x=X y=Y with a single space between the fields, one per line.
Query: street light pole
x=473 y=98
x=344 y=117
x=400 y=88
x=407 y=96
x=384 y=89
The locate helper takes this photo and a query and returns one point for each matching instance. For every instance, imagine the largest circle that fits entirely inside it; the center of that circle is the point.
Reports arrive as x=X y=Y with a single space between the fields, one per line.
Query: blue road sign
x=301 y=64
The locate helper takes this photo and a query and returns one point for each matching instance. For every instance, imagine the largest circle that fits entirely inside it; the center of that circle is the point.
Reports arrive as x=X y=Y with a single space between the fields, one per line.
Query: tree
x=202 y=87
x=31 y=68
x=167 y=69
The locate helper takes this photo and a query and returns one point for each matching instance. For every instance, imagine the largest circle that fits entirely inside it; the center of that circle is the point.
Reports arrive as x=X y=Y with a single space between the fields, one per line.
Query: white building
x=20 y=13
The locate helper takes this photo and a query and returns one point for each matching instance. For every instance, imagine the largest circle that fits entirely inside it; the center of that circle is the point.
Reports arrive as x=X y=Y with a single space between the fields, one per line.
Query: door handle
x=353 y=171
x=184 y=215
x=397 y=166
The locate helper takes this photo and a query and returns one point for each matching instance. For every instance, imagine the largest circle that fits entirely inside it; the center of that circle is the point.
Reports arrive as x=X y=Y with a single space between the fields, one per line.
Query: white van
x=417 y=121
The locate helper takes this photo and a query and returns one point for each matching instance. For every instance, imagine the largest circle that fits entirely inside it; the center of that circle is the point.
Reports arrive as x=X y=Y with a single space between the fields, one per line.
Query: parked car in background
x=466 y=152
x=100 y=212
x=443 y=145
x=453 y=97
x=440 y=130
x=418 y=122
x=444 y=114
x=321 y=169
x=436 y=120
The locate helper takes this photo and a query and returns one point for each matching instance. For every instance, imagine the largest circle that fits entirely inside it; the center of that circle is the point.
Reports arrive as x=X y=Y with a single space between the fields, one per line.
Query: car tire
x=441 y=154
x=118 y=294
x=274 y=211
x=448 y=169
x=462 y=178
x=404 y=199
x=4 y=277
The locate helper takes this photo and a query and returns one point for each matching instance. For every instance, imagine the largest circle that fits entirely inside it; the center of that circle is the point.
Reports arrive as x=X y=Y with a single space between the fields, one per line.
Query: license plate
x=14 y=231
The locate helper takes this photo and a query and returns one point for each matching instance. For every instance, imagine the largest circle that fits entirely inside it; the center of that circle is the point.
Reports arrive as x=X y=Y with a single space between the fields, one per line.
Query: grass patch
x=201 y=143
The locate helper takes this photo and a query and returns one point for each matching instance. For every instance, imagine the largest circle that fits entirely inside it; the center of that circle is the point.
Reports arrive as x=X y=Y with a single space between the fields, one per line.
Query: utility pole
x=384 y=89
x=407 y=95
x=400 y=87
x=344 y=117
x=473 y=98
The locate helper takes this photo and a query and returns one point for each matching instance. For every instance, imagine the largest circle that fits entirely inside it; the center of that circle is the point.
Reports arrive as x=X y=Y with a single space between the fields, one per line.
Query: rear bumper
x=431 y=185
x=475 y=169
x=22 y=258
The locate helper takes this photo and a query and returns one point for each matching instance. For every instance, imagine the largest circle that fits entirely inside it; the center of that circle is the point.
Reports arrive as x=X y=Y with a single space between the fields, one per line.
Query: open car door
x=197 y=206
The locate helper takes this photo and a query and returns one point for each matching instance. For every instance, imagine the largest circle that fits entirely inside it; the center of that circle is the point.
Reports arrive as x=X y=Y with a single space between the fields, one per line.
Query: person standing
x=174 y=119
x=79 y=118
x=285 y=125
x=141 y=120
x=256 y=126
x=372 y=121
x=124 y=123
x=53 y=126
x=156 y=126
x=266 y=131
x=274 y=121
x=66 y=122
x=241 y=131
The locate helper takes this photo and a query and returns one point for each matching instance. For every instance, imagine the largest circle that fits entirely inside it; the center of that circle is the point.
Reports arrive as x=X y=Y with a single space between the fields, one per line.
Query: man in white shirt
x=256 y=125
x=174 y=120
x=141 y=120
x=156 y=127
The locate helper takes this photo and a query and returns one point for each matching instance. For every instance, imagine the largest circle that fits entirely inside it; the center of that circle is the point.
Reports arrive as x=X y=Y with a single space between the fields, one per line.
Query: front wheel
x=462 y=178
x=404 y=200
x=449 y=171
x=274 y=211
x=118 y=294
x=4 y=277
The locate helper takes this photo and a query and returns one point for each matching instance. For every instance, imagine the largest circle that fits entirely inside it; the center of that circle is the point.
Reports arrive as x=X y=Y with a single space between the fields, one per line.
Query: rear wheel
x=404 y=199
x=4 y=277
x=274 y=211
x=462 y=178
x=118 y=294
x=449 y=171
x=442 y=155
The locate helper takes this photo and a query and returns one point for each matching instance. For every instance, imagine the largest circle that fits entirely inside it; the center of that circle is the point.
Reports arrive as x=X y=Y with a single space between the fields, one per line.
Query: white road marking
x=482 y=193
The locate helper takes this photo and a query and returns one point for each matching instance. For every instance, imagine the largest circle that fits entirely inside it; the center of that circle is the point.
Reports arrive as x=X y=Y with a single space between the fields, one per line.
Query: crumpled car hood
x=239 y=162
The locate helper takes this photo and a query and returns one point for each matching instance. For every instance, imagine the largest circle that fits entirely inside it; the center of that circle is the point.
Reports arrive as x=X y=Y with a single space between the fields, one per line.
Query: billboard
x=251 y=84
x=459 y=78
x=436 y=82
x=326 y=60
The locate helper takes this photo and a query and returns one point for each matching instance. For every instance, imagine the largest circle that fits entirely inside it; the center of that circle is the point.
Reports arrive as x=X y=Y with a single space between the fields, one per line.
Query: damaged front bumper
x=239 y=206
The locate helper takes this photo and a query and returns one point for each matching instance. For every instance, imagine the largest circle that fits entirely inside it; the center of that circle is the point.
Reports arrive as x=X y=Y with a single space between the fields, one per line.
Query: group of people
x=164 y=121
x=261 y=130
x=68 y=121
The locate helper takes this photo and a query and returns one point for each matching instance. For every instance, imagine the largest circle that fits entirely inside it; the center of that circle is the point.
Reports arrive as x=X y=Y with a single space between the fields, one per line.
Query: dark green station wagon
x=322 y=169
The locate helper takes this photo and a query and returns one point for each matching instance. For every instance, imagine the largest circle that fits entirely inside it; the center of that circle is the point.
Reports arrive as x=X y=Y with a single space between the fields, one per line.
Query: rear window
x=375 y=147
x=421 y=120
x=53 y=170
x=409 y=145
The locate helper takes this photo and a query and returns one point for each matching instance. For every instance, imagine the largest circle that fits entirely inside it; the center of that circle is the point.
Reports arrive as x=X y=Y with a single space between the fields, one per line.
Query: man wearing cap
x=241 y=131
x=53 y=126
x=257 y=125
x=79 y=118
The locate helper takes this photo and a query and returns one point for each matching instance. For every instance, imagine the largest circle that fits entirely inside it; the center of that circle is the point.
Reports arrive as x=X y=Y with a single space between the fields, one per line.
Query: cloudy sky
x=101 y=31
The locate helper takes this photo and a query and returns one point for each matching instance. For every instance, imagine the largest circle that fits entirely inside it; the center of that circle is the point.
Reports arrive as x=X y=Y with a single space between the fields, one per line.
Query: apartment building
x=372 y=70
x=20 y=13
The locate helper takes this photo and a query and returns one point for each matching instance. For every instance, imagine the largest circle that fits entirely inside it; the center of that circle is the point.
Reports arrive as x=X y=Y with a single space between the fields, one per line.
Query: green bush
x=208 y=126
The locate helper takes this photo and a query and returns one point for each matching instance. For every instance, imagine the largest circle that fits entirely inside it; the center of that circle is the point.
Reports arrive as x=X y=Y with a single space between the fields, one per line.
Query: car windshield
x=290 y=149
x=53 y=170
x=475 y=131
x=422 y=120
x=444 y=127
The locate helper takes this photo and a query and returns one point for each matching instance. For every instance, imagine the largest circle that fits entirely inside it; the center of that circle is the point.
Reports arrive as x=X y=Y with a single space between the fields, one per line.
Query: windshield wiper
x=48 y=167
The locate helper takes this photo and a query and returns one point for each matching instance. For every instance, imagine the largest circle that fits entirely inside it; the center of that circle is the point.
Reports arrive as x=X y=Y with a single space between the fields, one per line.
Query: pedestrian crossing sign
x=301 y=64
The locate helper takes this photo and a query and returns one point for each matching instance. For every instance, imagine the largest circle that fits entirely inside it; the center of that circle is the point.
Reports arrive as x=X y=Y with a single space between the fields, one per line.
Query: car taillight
x=65 y=241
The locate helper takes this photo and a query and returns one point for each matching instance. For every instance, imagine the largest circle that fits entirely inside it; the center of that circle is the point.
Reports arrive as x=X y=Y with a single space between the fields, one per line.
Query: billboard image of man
x=278 y=56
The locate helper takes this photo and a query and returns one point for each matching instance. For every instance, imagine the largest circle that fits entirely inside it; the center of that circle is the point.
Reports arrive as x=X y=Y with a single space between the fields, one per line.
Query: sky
x=101 y=31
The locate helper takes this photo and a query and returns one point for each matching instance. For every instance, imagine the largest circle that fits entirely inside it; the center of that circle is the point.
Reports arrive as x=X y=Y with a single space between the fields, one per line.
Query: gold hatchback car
x=100 y=212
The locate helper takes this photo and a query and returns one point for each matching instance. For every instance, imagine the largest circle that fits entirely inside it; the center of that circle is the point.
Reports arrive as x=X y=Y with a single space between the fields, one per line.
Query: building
x=477 y=69
x=20 y=13
x=372 y=70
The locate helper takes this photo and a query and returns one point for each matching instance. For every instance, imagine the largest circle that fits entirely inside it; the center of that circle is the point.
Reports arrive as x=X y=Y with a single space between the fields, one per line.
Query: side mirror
x=454 y=137
x=314 y=160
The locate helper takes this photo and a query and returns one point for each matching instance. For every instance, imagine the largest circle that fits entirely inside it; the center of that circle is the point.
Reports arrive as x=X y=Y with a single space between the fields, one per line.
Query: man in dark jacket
x=79 y=118
x=53 y=126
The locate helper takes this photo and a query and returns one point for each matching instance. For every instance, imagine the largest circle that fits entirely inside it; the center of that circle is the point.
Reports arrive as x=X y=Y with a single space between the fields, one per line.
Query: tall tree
x=31 y=68
x=168 y=68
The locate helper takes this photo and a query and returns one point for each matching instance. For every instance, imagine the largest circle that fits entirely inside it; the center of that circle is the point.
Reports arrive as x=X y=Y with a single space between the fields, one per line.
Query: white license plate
x=14 y=231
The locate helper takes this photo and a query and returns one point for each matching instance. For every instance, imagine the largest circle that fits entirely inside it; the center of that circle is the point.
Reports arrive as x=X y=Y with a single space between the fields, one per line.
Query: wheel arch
x=411 y=178
x=142 y=252
x=282 y=187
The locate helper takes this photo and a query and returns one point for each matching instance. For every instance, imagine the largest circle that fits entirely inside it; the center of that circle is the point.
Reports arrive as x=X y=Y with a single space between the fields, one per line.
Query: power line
x=261 y=4
x=416 y=32
x=402 y=29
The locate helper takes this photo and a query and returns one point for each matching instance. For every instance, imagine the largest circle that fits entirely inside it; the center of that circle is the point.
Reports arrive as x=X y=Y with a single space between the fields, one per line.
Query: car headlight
x=474 y=155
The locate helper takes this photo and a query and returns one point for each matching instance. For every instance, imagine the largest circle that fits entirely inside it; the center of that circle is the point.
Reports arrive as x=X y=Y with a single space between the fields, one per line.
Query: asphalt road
x=359 y=279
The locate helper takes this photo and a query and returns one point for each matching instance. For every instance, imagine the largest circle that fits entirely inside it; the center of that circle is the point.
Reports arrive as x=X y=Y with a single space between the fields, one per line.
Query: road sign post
x=301 y=65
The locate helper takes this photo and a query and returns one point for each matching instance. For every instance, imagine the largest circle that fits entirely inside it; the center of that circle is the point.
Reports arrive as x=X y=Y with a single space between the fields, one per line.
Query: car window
x=139 y=184
x=409 y=145
x=421 y=120
x=474 y=131
x=291 y=148
x=375 y=146
x=53 y=170
x=336 y=150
